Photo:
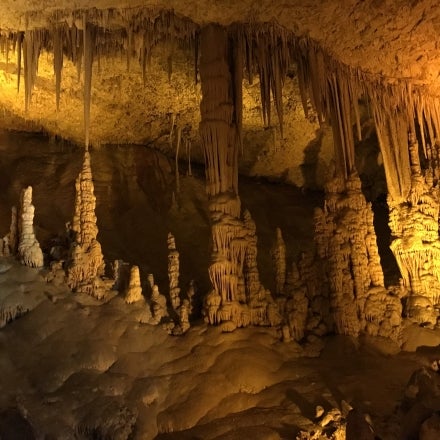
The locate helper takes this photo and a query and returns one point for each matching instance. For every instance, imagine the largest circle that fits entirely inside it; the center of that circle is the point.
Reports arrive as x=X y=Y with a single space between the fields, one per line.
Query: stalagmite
x=190 y=294
x=13 y=236
x=86 y=261
x=346 y=242
x=278 y=253
x=121 y=275
x=183 y=319
x=173 y=271
x=158 y=305
x=134 y=289
x=29 y=250
x=296 y=306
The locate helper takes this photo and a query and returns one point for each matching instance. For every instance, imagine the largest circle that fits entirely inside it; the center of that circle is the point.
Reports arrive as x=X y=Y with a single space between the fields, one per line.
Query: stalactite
x=19 y=54
x=57 y=36
x=179 y=139
x=33 y=42
x=89 y=33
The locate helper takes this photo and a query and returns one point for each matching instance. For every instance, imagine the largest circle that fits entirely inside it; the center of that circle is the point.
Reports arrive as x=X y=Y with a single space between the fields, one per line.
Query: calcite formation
x=9 y=243
x=29 y=250
x=134 y=290
x=237 y=298
x=278 y=253
x=295 y=306
x=414 y=227
x=121 y=275
x=13 y=232
x=173 y=271
x=158 y=305
x=86 y=262
x=346 y=243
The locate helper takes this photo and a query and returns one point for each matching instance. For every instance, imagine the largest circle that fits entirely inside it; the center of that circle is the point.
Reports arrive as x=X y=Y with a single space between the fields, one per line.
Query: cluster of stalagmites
x=414 y=226
x=347 y=249
x=81 y=266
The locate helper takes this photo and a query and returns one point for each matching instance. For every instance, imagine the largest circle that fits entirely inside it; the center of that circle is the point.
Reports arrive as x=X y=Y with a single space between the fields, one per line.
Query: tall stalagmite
x=29 y=250
x=346 y=241
x=173 y=271
x=86 y=262
x=278 y=253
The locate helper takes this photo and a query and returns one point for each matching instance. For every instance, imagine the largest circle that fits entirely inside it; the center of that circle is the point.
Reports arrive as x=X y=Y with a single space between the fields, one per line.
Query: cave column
x=220 y=73
x=219 y=140
x=413 y=202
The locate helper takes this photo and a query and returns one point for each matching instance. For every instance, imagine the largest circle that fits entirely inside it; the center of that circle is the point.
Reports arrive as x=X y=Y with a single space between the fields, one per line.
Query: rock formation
x=237 y=298
x=86 y=261
x=121 y=275
x=13 y=232
x=414 y=224
x=346 y=243
x=173 y=272
x=295 y=305
x=158 y=305
x=134 y=289
x=278 y=253
x=29 y=250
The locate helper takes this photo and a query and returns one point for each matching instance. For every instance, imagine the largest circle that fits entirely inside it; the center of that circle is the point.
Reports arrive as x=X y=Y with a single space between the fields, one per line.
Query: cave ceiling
x=393 y=38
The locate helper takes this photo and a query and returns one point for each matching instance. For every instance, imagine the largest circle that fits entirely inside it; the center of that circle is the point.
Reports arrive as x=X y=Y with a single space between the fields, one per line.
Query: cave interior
x=220 y=220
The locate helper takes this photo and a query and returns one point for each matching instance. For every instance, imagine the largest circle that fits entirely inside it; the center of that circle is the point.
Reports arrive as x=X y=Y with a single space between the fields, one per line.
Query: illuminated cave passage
x=188 y=242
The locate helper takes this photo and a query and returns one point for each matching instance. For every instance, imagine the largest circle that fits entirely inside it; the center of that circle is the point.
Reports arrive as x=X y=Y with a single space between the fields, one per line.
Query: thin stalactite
x=58 y=61
x=89 y=49
x=19 y=55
